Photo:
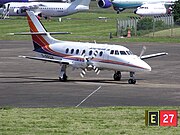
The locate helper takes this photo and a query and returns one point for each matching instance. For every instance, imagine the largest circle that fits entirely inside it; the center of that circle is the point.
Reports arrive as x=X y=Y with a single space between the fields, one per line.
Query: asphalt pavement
x=29 y=83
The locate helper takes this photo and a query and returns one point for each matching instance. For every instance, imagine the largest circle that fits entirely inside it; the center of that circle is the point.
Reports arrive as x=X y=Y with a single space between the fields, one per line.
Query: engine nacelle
x=17 y=10
x=104 y=3
x=20 y=10
x=79 y=64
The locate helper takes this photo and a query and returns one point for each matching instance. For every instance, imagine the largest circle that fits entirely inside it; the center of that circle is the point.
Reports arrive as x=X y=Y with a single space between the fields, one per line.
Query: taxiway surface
x=28 y=83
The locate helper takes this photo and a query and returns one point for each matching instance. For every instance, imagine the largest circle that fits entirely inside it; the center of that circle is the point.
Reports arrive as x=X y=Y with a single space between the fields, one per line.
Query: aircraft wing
x=46 y=60
x=37 y=12
x=153 y=55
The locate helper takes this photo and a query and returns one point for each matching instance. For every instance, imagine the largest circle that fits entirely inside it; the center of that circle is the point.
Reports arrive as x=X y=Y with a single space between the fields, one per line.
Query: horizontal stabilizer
x=38 y=33
x=153 y=55
x=45 y=59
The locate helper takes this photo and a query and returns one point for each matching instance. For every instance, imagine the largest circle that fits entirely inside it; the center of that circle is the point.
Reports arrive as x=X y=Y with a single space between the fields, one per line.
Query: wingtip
x=10 y=34
x=21 y=56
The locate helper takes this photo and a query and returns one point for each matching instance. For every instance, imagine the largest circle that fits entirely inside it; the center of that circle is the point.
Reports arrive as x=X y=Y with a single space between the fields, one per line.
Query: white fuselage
x=44 y=8
x=151 y=9
x=109 y=57
x=136 y=3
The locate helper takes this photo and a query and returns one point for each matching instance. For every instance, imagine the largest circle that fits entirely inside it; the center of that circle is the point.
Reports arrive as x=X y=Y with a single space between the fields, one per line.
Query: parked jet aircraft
x=120 y=5
x=153 y=10
x=46 y=9
x=86 y=56
x=6 y=1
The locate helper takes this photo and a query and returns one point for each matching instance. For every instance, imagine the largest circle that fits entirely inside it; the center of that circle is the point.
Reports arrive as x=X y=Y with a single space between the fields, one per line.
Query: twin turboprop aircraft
x=86 y=56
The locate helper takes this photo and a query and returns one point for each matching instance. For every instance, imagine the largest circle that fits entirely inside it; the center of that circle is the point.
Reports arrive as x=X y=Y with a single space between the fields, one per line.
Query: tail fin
x=82 y=2
x=39 y=40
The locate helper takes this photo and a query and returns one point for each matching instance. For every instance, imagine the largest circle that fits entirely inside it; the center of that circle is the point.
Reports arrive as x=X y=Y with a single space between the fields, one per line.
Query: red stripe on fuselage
x=39 y=39
x=31 y=24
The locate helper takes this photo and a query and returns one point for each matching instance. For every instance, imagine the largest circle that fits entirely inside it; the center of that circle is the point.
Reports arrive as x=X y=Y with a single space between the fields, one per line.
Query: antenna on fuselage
x=142 y=51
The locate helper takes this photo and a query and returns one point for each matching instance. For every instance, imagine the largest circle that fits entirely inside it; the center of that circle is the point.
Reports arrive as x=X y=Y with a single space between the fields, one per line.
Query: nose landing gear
x=132 y=80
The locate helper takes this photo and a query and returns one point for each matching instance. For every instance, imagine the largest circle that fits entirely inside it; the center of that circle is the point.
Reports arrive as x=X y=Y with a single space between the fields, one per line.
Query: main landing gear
x=132 y=80
x=117 y=76
x=62 y=74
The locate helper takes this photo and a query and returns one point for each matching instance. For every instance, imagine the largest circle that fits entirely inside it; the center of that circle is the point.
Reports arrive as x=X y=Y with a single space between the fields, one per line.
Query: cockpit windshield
x=117 y=52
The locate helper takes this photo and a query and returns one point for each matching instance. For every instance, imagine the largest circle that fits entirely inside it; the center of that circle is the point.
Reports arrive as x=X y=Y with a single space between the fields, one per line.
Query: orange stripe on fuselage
x=33 y=28
x=31 y=24
x=40 y=40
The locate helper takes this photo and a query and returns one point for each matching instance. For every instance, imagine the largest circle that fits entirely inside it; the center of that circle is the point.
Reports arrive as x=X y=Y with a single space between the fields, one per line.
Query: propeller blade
x=83 y=72
x=8 y=7
x=143 y=51
x=96 y=70
x=94 y=54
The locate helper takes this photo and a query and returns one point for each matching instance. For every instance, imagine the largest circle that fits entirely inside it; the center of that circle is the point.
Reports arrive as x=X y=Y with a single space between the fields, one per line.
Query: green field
x=166 y=33
x=80 y=121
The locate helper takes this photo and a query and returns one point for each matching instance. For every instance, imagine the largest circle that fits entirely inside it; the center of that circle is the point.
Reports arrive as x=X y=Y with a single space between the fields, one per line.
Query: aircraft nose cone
x=135 y=11
x=146 y=67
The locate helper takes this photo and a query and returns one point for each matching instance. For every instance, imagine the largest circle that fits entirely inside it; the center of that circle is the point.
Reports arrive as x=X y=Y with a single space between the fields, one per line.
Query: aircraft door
x=106 y=54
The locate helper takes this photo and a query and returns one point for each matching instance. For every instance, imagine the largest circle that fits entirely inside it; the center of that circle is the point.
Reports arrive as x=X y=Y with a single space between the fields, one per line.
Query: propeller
x=83 y=72
x=142 y=51
x=5 y=11
x=89 y=64
x=8 y=8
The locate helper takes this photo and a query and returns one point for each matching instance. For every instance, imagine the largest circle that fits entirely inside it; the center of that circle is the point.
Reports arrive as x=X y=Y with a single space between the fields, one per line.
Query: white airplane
x=46 y=9
x=86 y=56
x=120 y=5
x=153 y=9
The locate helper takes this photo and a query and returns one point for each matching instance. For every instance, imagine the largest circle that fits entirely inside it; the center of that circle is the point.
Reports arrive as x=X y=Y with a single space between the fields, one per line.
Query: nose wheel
x=132 y=80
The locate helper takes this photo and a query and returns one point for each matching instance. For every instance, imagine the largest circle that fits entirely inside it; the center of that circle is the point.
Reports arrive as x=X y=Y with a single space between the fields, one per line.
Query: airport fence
x=146 y=26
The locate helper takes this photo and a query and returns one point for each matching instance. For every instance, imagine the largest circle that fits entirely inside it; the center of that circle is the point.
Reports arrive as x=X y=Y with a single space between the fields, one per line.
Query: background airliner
x=6 y=1
x=45 y=9
x=120 y=5
x=86 y=56
x=153 y=9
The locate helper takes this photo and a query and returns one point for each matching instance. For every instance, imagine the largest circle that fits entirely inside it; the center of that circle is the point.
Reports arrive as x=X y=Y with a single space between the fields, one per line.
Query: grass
x=174 y=32
x=106 y=120
x=85 y=26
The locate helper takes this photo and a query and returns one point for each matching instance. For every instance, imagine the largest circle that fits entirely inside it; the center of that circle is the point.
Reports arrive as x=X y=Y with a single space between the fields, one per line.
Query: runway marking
x=88 y=96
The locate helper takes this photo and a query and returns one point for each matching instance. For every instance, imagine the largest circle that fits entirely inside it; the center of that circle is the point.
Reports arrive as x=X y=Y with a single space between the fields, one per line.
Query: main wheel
x=132 y=81
x=64 y=78
x=117 y=76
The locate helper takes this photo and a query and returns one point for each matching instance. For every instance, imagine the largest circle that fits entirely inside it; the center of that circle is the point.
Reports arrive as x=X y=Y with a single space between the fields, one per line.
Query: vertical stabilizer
x=42 y=38
x=81 y=4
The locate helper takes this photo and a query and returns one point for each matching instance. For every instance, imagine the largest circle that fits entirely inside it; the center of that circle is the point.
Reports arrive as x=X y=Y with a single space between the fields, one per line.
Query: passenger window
x=116 y=52
x=90 y=52
x=101 y=53
x=67 y=50
x=83 y=52
x=77 y=51
x=122 y=52
x=72 y=51
x=112 y=52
